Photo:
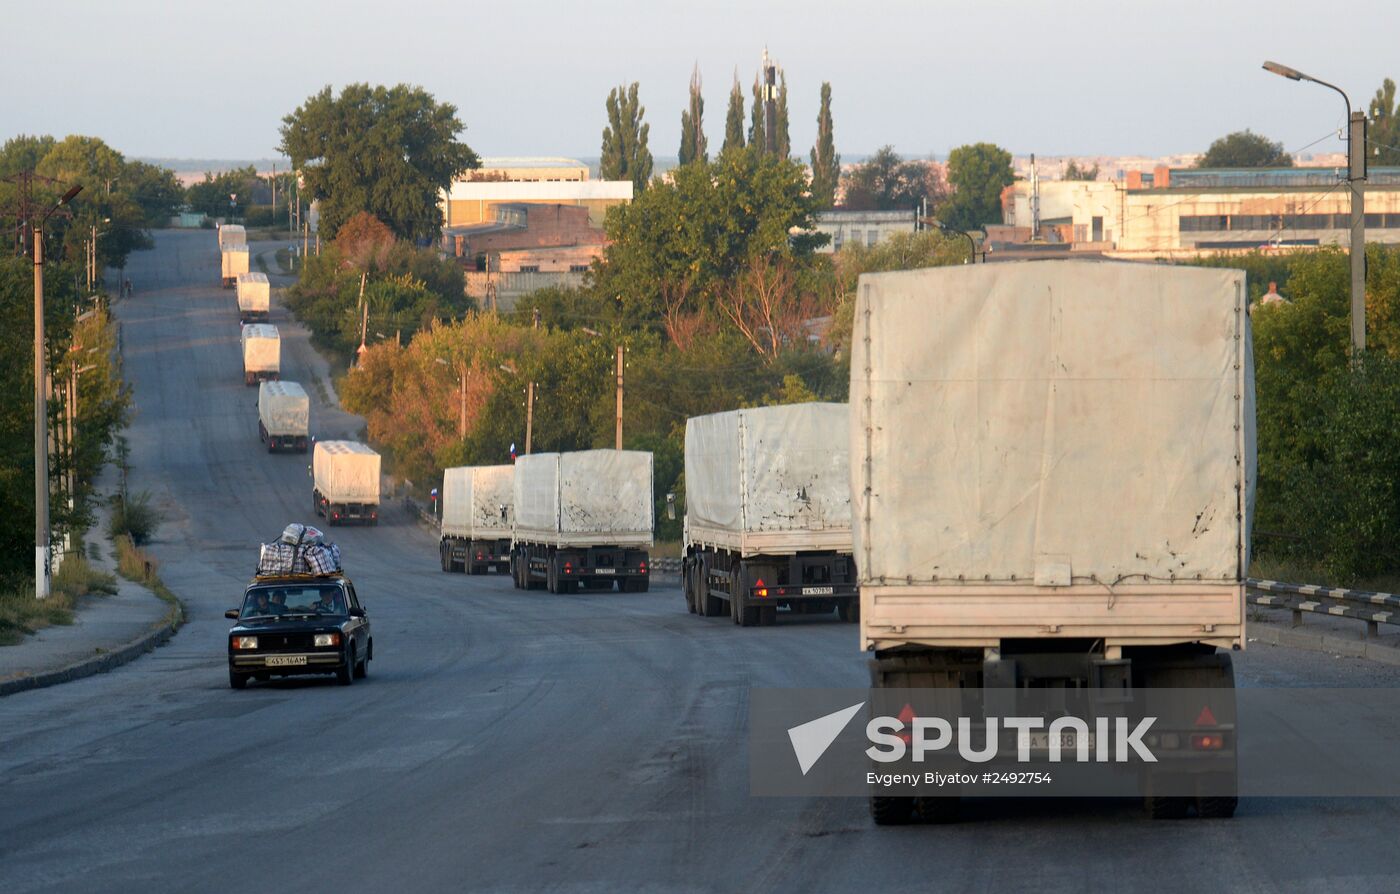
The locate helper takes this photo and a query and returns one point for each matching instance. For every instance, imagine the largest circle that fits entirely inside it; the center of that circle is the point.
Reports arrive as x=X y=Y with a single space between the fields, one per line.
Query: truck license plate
x=1068 y=741
x=285 y=660
x=605 y=571
x=816 y=591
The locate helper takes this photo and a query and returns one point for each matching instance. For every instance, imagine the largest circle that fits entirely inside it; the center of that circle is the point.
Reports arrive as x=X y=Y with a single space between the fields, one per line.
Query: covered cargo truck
x=254 y=297
x=284 y=416
x=1052 y=467
x=477 y=514
x=262 y=353
x=232 y=235
x=768 y=513
x=234 y=260
x=345 y=477
x=582 y=518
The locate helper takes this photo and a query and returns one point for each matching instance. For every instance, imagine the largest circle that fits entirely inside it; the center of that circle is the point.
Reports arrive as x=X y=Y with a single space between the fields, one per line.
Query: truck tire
x=551 y=577
x=745 y=615
x=688 y=585
x=442 y=557
x=891 y=811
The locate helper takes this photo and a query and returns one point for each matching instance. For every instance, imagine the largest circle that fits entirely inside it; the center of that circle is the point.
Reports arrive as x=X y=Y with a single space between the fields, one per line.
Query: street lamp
x=971 y=245
x=41 y=411
x=1356 y=178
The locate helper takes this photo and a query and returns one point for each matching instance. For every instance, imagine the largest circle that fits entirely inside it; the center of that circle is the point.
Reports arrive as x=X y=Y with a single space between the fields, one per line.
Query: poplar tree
x=693 y=143
x=625 y=154
x=734 y=120
x=783 y=148
x=826 y=164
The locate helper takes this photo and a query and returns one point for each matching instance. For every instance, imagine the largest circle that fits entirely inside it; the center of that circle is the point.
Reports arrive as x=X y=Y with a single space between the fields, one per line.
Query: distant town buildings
x=862 y=227
x=1187 y=211
x=521 y=224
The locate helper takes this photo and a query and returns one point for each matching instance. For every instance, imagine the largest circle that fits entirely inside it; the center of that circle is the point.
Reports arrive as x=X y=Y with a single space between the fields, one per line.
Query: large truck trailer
x=768 y=513
x=345 y=486
x=233 y=260
x=284 y=416
x=582 y=519
x=262 y=353
x=254 y=297
x=1052 y=468
x=475 y=534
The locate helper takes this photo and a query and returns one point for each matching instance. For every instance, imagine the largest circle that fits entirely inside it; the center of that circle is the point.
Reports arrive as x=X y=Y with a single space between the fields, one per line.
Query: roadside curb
x=98 y=664
x=1321 y=642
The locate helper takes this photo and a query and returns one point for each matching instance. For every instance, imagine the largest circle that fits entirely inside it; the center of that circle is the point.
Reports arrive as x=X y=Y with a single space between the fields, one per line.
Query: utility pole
x=462 y=416
x=530 y=398
x=619 y=397
x=1356 y=175
x=305 y=239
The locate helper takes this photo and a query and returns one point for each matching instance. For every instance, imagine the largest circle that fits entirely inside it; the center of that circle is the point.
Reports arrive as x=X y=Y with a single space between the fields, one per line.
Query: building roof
x=526 y=161
x=1198 y=179
x=541 y=191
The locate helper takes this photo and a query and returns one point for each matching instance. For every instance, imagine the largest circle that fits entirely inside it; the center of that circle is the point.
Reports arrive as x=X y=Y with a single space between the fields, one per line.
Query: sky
x=213 y=80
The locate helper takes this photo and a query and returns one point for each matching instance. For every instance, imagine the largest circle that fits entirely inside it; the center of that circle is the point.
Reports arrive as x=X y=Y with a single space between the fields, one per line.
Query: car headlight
x=245 y=642
x=324 y=640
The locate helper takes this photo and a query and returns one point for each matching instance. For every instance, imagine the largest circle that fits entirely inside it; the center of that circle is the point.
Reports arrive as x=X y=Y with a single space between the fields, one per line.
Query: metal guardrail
x=1338 y=602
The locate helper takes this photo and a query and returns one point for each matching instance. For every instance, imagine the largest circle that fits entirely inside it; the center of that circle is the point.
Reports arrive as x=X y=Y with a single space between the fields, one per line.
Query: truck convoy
x=1052 y=467
x=582 y=518
x=768 y=513
x=262 y=353
x=254 y=297
x=345 y=477
x=283 y=416
x=477 y=503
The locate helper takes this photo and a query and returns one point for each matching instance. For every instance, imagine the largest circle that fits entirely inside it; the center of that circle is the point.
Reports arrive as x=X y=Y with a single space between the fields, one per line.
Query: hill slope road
x=507 y=741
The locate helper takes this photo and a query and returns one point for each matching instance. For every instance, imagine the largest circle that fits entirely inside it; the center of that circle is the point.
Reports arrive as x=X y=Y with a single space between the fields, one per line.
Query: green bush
x=133 y=517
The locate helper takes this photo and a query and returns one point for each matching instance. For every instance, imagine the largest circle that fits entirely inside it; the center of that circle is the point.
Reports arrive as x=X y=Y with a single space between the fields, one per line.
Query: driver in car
x=329 y=603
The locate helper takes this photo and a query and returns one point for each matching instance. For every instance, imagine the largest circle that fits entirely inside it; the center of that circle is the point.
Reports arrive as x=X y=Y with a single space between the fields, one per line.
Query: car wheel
x=362 y=668
x=237 y=680
x=345 y=674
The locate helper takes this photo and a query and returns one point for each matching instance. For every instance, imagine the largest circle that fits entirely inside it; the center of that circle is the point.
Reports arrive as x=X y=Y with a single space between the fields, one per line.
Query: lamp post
x=41 y=411
x=1356 y=178
x=618 y=416
x=971 y=245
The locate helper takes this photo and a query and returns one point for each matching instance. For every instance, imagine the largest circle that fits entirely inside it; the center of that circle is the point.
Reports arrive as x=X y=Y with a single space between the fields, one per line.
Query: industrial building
x=1187 y=211
x=862 y=227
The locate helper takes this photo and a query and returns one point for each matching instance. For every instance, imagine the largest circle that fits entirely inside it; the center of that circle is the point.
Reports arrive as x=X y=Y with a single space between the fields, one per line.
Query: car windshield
x=293 y=599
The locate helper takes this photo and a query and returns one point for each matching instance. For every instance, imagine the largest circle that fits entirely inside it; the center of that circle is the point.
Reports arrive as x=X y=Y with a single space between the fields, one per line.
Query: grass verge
x=135 y=564
x=21 y=614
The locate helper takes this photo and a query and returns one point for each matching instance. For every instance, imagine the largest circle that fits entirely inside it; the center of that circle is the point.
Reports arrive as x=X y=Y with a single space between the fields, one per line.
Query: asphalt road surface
x=509 y=741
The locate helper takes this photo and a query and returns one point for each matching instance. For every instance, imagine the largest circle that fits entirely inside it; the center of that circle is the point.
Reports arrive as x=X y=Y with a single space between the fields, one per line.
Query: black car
x=296 y=625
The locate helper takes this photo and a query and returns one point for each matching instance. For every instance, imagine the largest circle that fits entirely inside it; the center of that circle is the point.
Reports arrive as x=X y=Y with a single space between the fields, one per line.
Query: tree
x=693 y=146
x=1383 y=132
x=1074 y=172
x=826 y=164
x=672 y=248
x=784 y=140
x=1245 y=149
x=211 y=195
x=390 y=151
x=625 y=152
x=757 y=129
x=734 y=119
x=886 y=182
x=108 y=201
x=977 y=174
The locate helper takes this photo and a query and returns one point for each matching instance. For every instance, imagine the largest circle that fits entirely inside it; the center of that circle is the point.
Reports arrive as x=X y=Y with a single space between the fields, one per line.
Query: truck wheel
x=688 y=585
x=1216 y=807
x=442 y=557
x=891 y=811
x=1160 y=807
x=551 y=577
x=848 y=610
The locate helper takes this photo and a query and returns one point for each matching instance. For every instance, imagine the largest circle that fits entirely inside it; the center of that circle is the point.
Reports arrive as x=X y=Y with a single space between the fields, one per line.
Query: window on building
x=1097 y=223
x=529 y=268
x=872 y=237
x=578 y=268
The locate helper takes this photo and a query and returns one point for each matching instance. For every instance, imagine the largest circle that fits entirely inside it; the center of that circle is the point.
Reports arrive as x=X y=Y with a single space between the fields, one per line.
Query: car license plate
x=1068 y=741
x=816 y=591
x=605 y=571
x=285 y=660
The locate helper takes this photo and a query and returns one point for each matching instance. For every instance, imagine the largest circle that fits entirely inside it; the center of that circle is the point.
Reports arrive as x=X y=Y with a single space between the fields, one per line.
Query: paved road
x=508 y=741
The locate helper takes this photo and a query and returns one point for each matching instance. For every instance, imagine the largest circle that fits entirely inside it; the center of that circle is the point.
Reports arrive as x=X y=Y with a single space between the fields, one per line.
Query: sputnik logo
x=810 y=740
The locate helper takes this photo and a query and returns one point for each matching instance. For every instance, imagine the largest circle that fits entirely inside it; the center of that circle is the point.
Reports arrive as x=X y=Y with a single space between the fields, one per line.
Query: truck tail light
x=568 y=567
x=1207 y=741
x=760 y=589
